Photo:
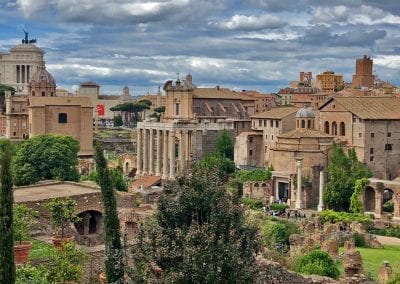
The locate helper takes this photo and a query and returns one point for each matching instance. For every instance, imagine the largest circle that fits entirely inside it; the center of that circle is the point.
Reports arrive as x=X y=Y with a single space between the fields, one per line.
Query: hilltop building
x=328 y=81
x=364 y=73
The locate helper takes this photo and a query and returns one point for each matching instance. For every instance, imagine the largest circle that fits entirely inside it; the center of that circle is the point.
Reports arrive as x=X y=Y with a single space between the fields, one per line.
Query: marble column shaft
x=299 y=203
x=172 y=154
x=165 y=155
x=145 y=152
x=158 y=158
x=139 y=152
x=151 y=152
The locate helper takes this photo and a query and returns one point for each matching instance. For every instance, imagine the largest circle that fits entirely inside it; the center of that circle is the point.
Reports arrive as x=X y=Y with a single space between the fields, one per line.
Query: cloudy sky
x=241 y=44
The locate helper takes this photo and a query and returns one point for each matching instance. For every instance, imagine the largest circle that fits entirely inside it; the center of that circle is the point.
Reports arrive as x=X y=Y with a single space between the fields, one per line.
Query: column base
x=138 y=173
x=164 y=176
x=151 y=173
x=171 y=177
x=321 y=208
x=299 y=205
x=158 y=174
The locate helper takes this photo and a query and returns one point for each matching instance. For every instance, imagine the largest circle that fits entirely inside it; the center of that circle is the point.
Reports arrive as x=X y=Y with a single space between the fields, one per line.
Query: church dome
x=305 y=112
x=42 y=75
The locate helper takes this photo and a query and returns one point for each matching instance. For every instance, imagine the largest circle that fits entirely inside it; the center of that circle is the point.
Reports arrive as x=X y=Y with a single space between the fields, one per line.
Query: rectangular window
x=176 y=109
x=371 y=150
x=265 y=123
x=372 y=134
x=389 y=134
x=360 y=135
x=260 y=123
x=251 y=152
x=250 y=139
x=388 y=147
x=277 y=123
x=271 y=123
x=371 y=159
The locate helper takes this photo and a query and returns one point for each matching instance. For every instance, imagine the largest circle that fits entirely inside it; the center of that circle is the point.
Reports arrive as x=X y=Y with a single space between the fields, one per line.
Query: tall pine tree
x=114 y=252
x=7 y=266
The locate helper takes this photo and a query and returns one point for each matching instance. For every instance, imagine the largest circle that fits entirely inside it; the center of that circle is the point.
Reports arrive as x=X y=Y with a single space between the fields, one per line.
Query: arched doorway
x=127 y=168
x=369 y=199
x=387 y=201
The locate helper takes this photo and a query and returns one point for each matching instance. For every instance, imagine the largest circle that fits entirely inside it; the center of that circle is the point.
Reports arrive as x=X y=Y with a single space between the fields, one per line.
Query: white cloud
x=242 y=22
x=389 y=61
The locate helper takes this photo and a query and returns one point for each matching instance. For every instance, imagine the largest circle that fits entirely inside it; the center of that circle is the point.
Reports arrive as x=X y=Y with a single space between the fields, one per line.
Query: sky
x=240 y=44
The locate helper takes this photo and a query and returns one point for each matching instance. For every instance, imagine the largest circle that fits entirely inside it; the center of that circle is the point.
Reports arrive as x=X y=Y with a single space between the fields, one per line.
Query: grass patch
x=373 y=259
x=41 y=251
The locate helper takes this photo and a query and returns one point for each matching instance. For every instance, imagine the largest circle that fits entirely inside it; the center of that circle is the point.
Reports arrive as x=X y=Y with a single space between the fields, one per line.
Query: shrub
x=359 y=240
x=317 y=262
x=252 y=203
x=31 y=274
x=275 y=233
x=389 y=232
x=278 y=207
x=335 y=217
x=254 y=175
x=388 y=206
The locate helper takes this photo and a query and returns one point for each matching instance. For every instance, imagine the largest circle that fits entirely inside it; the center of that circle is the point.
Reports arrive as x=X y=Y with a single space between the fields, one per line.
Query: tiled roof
x=304 y=133
x=219 y=93
x=276 y=113
x=146 y=181
x=371 y=107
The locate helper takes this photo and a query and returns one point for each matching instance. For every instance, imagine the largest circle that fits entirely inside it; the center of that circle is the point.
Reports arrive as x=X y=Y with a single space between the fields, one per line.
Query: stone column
x=299 y=202
x=182 y=152
x=165 y=155
x=172 y=154
x=145 y=152
x=321 y=191
x=378 y=204
x=139 y=158
x=396 y=203
x=151 y=153
x=158 y=158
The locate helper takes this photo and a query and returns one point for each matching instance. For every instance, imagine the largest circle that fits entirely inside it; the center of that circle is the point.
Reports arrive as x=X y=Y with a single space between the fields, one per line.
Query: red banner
x=100 y=110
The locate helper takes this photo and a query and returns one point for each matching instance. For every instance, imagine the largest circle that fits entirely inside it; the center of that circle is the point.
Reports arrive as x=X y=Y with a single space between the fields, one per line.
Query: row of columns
x=163 y=162
x=23 y=73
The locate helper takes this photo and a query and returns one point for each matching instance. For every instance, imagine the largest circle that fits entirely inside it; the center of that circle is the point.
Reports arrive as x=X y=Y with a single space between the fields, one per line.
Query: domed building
x=300 y=152
x=42 y=83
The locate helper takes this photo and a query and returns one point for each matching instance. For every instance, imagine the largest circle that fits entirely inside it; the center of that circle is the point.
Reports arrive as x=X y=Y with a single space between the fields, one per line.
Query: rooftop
x=381 y=108
x=276 y=113
x=304 y=133
x=219 y=93
x=52 y=189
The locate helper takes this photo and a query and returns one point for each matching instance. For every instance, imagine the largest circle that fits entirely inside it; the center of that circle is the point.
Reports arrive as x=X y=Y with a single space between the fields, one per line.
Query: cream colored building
x=19 y=64
x=252 y=148
x=193 y=119
x=328 y=81
x=371 y=126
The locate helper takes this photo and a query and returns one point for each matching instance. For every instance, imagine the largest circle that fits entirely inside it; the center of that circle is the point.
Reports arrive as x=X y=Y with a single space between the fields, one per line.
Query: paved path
x=388 y=240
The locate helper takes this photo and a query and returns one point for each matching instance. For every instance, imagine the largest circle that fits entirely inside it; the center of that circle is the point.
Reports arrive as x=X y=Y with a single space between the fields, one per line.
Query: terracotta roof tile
x=276 y=113
x=372 y=107
x=219 y=93
x=304 y=133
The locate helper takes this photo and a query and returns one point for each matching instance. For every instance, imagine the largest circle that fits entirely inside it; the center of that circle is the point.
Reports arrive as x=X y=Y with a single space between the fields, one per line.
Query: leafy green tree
x=112 y=237
x=317 y=262
x=118 y=121
x=198 y=235
x=7 y=266
x=118 y=180
x=224 y=145
x=132 y=112
x=356 y=205
x=222 y=165
x=62 y=212
x=46 y=157
x=343 y=171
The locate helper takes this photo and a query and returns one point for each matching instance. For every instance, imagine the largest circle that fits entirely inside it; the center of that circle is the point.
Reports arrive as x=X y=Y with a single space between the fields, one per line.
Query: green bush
x=278 y=207
x=389 y=232
x=252 y=203
x=31 y=274
x=335 y=217
x=317 y=262
x=254 y=175
x=359 y=240
x=388 y=206
x=275 y=233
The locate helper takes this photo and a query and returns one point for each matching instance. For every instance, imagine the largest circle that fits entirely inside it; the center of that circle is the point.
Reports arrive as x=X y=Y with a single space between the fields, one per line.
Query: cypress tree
x=112 y=238
x=7 y=266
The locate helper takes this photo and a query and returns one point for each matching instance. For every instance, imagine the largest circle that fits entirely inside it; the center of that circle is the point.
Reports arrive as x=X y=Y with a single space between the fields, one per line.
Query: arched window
x=334 y=128
x=326 y=127
x=62 y=118
x=298 y=126
x=342 y=129
x=308 y=124
x=303 y=123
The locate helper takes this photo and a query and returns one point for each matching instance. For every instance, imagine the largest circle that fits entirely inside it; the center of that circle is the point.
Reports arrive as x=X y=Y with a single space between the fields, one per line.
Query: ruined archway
x=369 y=199
x=90 y=227
x=387 y=201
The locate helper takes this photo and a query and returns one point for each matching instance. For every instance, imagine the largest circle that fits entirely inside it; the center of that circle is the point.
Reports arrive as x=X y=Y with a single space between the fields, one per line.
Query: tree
x=7 y=266
x=46 y=157
x=112 y=237
x=198 y=235
x=223 y=166
x=343 y=171
x=118 y=121
x=62 y=213
x=224 y=145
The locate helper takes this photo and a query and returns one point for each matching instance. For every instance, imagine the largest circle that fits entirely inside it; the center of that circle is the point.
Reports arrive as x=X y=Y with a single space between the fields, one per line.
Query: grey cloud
x=242 y=22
